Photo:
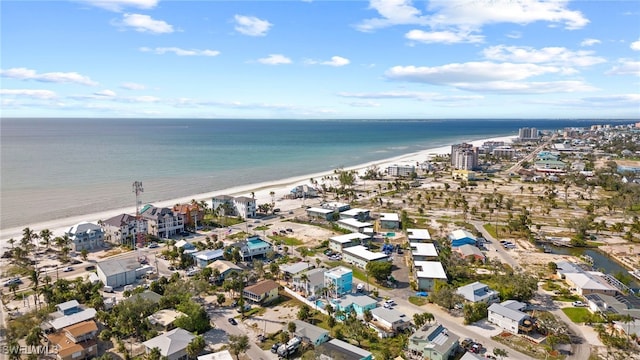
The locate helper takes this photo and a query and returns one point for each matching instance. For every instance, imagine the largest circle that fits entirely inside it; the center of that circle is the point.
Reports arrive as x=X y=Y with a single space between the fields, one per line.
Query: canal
x=601 y=262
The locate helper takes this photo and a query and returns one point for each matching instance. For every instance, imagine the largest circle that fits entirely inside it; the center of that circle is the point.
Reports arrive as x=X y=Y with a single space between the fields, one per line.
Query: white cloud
x=548 y=55
x=473 y=14
x=468 y=72
x=514 y=87
x=106 y=93
x=275 y=59
x=367 y=104
x=416 y=95
x=613 y=100
x=132 y=86
x=180 y=52
x=446 y=37
x=53 y=77
x=29 y=93
x=336 y=61
x=514 y=35
x=626 y=67
x=144 y=23
x=118 y=5
x=635 y=45
x=393 y=12
x=590 y=42
x=251 y=25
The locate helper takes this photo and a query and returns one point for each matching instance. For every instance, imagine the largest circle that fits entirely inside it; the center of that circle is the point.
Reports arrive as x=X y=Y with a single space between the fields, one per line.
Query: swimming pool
x=253 y=244
x=391 y=234
x=320 y=304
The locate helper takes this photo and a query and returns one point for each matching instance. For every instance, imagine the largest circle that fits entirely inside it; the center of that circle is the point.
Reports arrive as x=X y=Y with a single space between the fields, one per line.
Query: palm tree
x=28 y=236
x=33 y=338
x=35 y=280
x=195 y=347
x=12 y=241
x=305 y=278
x=45 y=235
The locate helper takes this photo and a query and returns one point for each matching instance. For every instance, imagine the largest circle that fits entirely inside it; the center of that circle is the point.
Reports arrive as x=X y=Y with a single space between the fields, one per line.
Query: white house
x=340 y=242
x=404 y=170
x=245 y=206
x=122 y=229
x=423 y=251
x=427 y=272
x=506 y=316
x=390 y=319
x=356 y=213
x=418 y=235
x=162 y=222
x=320 y=213
x=354 y=225
x=172 y=344
x=86 y=236
x=360 y=256
x=478 y=292
x=389 y=221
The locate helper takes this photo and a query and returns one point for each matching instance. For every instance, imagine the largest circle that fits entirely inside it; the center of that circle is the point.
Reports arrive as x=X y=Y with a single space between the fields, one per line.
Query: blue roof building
x=461 y=237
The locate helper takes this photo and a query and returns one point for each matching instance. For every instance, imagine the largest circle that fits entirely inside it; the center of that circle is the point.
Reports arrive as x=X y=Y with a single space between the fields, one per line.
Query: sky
x=309 y=59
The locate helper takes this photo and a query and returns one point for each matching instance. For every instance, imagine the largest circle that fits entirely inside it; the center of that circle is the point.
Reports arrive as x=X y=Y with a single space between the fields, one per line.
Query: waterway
x=601 y=262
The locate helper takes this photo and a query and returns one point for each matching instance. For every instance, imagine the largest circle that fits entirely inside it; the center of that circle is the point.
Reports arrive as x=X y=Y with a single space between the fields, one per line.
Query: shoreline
x=281 y=187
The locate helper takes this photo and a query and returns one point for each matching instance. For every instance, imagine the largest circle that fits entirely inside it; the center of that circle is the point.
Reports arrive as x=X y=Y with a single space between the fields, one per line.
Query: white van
x=108 y=289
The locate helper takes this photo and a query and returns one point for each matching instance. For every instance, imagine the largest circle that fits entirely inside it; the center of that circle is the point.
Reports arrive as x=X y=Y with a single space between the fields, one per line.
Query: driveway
x=220 y=317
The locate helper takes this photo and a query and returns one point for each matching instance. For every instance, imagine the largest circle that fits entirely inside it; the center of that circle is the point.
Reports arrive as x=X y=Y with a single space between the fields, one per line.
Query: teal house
x=357 y=303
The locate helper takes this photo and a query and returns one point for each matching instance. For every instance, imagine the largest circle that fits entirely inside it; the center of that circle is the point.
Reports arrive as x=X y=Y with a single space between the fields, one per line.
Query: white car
x=578 y=304
x=67 y=269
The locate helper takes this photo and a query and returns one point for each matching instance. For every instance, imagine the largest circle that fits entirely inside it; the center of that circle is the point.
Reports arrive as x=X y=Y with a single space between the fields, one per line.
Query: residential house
x=245 y=206
x=507 y=316
x=183 y=244
x=427 y=272
x=590 y=282
x=339 y=350
x=191 y=213
x=433 y=342
x=223 y=205
x=147 y=295
x=291 y=270
x=122 y=229
x=205 y=257
x=356 y=213
x=470 y=252
x=303 y=192
x=389 y=221
x=262 y=292
x=68 y=307
x=60 y=321
x=461 y=237
x=550 y=166
x=310 y=334
x=338 y=280
x=313 y=284
x=354 y=225
x=617 y=305
x=321 y=213
x=465 y=175
x=478 y=292
x=336 y=206
x=423 y=251
x=85 y=236
x=117 y=272
x=220 y=355
x=225 y=268
x=340 y=242
x=76 y=341
x=172 y=345
x=389 y=319
x=253 y=247
x=163 y=319
x=418 y=235
x=360 y=256
x=358 y=303
x=162 y=222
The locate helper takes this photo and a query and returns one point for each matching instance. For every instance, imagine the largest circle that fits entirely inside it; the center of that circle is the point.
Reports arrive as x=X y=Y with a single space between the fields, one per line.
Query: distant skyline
x=317 y=59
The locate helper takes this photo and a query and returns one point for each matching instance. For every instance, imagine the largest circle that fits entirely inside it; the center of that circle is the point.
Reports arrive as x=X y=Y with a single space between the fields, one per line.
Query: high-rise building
x=528 y=134
x=464 y=156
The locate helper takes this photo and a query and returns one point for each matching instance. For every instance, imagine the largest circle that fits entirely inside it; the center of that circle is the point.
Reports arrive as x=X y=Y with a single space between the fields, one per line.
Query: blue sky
x=321 y=59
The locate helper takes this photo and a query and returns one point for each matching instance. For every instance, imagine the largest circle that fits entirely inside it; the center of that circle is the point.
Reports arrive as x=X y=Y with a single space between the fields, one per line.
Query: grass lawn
x=550 y=285
x=418 y=300
x=263 y=227
x=285 y=240
x=566 y=298
x=577 y=314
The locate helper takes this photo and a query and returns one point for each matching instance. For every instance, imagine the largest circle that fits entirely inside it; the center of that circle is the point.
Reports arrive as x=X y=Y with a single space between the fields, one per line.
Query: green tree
x=380 y=270
x=220 y=299
x=238 y=344
x=84 y=253
x=153 y=354
x=291 y=327
x=304 y=313
x=196 y=346
x=501 y=353
x=367 y=316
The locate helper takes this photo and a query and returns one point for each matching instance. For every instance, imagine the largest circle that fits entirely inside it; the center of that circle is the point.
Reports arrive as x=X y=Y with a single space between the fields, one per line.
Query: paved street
x=220 y=317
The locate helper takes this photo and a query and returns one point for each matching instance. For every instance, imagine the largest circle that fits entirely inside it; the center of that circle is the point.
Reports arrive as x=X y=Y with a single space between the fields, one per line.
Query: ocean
x=56 y=168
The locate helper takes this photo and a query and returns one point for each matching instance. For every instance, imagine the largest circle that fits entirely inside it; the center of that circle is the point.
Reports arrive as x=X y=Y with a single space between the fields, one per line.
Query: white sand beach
x=261 y=190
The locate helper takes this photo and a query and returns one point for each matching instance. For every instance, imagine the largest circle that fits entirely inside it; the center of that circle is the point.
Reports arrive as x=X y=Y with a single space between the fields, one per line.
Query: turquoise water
x=56 y=168
x=320 y=304
x=256 y=243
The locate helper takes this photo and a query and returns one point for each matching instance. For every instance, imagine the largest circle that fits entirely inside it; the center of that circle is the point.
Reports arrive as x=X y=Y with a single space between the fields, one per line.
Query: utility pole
x=137 y=189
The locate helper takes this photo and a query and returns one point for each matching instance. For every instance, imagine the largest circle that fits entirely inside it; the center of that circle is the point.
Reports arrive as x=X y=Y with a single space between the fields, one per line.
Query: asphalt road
x=220 y=318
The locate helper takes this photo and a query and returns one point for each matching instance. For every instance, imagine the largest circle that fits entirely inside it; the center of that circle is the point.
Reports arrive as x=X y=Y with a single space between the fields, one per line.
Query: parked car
x=233 y=321
x=90 y=267
x=290 y=230
x=67 y=269
x=13 y=281
x=578 y=304
x=153 y=245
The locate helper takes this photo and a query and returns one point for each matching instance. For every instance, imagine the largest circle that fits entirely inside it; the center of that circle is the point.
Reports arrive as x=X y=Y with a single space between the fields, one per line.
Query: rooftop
x=171 y=342
x=436 y=337
x=64 y=321
x=338 y=271
x=388 y=315
x=295 y=268
x=208 y=255
x=311 y=332
x=363 y=253
x=423 y=249
x=354 y=223
x=118 y=266
x=82 y=328
x=223 y=266
x=430 y=270
x=389 y=217
x=348 y=237
x=262 y=287
x=320 y=210
x=220 y=355
x=360 y=300
x=461 y=234
x=504 y=311
x=164 y=317
x=418 y=234
x=338 y=349
x=354 y=212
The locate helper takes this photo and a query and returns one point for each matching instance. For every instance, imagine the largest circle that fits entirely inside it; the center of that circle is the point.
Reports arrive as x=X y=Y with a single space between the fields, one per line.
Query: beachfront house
x=460 y=237
x=338 y=280
x=478 y=292
x=340 y=242
x=245 y=206
x=433 y=342
x=418 y=235
x=303 y=192
x=191 y=213
x=122 y=229
x=162 y=222
x=85 y=236
x=172 y=345
x=403 y=170
x=427 y=272
x=312 y=283
x=360 y=256
x=223 y=205
x=423 y=251
x=389 y=221
x=508 y=316
x=262 y=292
